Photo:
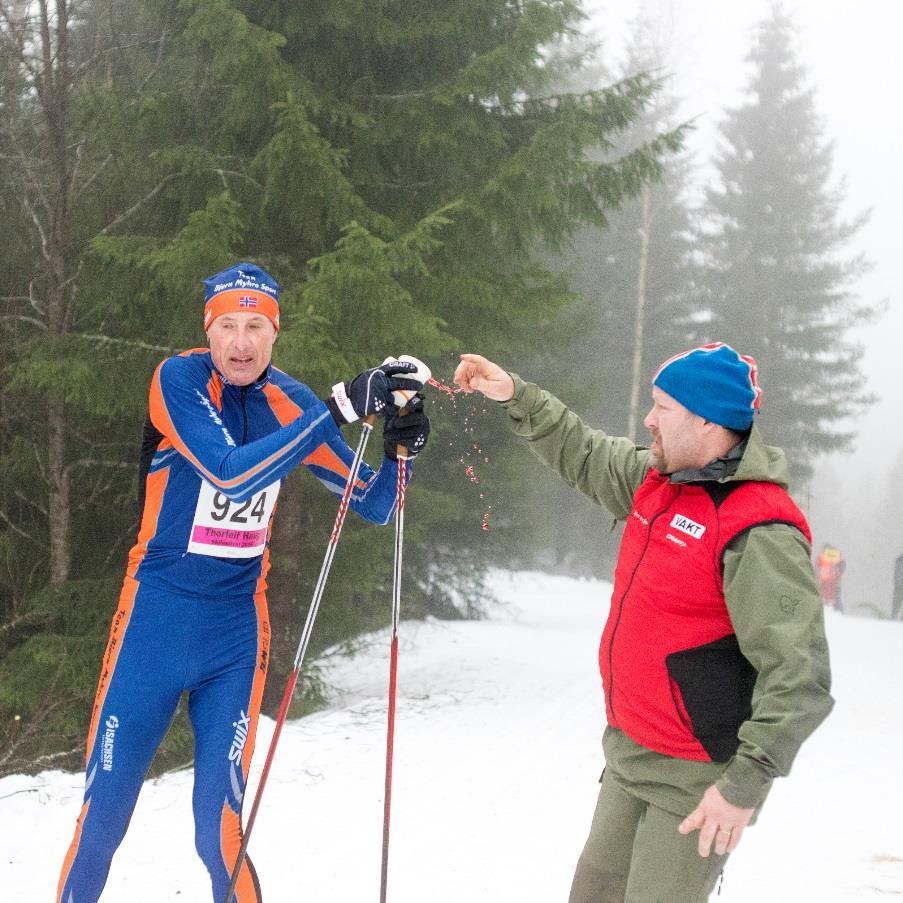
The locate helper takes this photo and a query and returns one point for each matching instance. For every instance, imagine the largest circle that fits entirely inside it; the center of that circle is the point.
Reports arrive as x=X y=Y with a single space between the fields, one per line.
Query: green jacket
x=769 y=588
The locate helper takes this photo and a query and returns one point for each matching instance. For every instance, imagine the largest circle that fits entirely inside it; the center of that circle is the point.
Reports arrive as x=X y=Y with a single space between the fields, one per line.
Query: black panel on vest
x=716 y=684
x=719 y=492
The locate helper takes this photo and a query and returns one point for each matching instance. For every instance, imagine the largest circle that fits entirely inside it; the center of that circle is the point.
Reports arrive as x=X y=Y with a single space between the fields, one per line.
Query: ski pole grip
x=422 y=374
x=402 y=396
x=401 y=451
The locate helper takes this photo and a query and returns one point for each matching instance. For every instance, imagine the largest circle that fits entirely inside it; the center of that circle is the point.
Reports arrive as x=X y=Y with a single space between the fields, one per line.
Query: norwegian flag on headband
x=243 y=287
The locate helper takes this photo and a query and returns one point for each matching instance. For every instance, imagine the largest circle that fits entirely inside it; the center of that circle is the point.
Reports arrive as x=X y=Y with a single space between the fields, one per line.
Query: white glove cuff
x=343 y=402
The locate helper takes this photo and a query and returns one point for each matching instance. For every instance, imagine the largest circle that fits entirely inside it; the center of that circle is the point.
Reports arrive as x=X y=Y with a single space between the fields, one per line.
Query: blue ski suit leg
x=161 y=645
x=224 y=706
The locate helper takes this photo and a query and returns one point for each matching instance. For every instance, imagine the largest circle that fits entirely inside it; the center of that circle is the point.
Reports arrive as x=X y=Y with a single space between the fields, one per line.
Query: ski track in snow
x=497 y=758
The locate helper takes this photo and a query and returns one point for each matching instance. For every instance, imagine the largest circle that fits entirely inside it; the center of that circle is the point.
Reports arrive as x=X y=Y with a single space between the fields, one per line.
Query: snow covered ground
x=497 y=755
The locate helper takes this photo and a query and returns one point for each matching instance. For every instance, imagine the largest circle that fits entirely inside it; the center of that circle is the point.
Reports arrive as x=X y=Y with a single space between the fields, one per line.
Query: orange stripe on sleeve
x=282 y=406
x=163 y=422
x=323 y=456
x=215 y=391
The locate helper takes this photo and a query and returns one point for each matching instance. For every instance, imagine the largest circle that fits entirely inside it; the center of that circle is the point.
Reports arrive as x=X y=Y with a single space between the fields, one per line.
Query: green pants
x=634 y=854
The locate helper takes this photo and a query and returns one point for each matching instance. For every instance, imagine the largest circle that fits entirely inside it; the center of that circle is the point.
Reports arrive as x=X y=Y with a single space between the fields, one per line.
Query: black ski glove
x=410 y=430
x=370 y=392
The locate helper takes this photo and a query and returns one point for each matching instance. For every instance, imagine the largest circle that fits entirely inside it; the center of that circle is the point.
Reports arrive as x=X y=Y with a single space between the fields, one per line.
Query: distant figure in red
x=829 y=567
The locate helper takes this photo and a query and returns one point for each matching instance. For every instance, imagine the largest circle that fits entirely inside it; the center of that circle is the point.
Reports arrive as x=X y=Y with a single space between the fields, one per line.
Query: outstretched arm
x=477 y=374
x=607 y=469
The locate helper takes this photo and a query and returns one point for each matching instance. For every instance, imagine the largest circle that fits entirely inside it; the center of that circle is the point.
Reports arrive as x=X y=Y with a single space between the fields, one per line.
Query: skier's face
x=241 y=345
x=678 y=435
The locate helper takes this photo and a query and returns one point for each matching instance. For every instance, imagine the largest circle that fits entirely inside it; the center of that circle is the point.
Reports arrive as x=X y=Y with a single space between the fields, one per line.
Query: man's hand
x=476 y=374
x=370 y=392
x=717 y=821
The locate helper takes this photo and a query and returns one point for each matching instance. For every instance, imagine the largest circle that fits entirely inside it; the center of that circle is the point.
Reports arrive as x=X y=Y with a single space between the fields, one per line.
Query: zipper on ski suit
x=244 y=415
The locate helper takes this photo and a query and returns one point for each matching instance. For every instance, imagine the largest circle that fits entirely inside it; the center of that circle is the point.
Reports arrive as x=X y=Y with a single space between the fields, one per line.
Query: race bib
x=230 y=529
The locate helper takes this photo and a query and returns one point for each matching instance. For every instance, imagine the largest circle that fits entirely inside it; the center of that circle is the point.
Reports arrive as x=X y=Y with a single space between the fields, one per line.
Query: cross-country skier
x=714 y=661
x=224 y=428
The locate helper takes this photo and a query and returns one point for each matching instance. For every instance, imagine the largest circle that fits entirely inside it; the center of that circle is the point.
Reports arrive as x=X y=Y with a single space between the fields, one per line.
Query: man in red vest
x=714 y=661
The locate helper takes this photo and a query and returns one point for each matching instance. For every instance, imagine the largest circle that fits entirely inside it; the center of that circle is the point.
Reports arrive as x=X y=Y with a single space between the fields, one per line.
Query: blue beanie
x=715 y=382
x=243 y=287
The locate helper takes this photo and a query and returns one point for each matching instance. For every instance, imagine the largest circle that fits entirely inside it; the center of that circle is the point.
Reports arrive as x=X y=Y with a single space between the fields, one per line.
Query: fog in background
x=855 y=64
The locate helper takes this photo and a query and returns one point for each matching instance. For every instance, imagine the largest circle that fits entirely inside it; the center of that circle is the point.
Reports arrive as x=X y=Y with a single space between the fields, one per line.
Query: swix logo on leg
x=109 y=738
x=241 y=736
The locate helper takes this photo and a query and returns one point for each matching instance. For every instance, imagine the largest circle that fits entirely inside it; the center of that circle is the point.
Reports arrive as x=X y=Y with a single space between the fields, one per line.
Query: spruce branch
x=140 y=203
x=19 y=530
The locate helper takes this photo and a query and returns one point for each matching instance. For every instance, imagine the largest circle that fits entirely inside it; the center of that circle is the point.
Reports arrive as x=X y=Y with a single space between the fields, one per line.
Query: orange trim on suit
x=163 y=422
x=111 y=654
x=73 y=850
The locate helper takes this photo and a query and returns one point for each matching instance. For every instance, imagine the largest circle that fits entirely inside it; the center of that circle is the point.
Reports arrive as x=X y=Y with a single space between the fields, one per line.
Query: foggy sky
x=855 y=66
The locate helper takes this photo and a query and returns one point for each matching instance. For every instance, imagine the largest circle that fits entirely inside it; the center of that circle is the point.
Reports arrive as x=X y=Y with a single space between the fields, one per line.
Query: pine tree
x=635 y=299
x=392 y=164
x=780 y=278
x=77 y=353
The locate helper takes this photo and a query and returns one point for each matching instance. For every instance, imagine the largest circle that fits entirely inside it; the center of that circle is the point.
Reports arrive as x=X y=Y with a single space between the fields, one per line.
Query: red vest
x=674 y=677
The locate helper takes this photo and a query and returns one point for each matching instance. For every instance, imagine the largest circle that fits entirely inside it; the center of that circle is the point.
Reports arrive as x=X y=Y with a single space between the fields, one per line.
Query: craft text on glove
x=370 y=392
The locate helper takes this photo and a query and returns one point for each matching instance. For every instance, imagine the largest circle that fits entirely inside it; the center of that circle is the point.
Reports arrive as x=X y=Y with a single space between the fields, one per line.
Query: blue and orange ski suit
x=192 y=614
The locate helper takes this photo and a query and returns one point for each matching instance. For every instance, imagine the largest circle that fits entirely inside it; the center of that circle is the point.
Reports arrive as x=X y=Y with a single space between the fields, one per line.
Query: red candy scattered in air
x=475 y=448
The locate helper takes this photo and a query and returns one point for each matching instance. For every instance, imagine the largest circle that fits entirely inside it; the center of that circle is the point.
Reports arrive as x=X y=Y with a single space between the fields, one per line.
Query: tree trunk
x=58 y=501
x=54 y=98
x=639 y=323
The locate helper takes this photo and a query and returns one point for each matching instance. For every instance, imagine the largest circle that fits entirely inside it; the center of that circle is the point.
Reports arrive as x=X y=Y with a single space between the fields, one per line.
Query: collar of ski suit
x=258 y=383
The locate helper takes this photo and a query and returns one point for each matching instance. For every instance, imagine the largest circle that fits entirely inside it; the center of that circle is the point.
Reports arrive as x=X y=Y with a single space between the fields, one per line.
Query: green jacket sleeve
x=769 y=586
x=605 y=468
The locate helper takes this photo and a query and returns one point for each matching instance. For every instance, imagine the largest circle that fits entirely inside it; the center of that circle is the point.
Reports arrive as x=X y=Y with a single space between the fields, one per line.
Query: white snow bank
x=497 y=755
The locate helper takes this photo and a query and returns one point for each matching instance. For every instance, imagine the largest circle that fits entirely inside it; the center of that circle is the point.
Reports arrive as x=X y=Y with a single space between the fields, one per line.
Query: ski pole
x=401 y=454
x=302 y=647
x=393 y=664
